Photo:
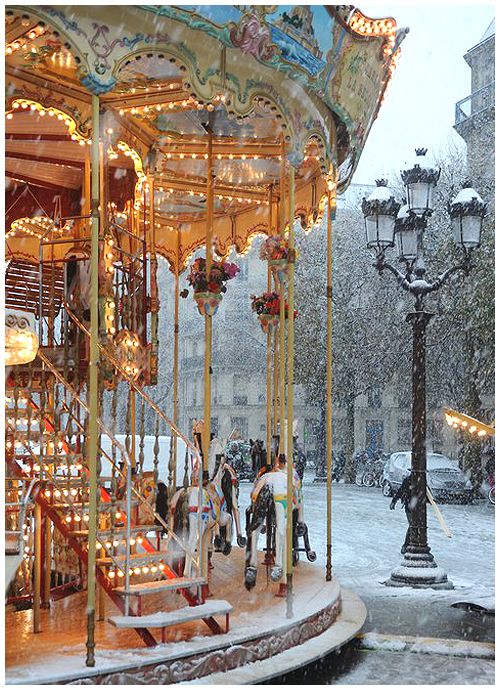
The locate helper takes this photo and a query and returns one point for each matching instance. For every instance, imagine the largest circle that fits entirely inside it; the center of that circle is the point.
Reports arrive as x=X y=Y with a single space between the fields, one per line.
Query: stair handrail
x=115 y=442
x=135 y=386
x=119 y=568
x=167 y=420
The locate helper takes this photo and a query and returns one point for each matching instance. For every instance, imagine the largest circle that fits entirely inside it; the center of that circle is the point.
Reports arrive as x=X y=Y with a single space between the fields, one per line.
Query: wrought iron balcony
x=476 y=103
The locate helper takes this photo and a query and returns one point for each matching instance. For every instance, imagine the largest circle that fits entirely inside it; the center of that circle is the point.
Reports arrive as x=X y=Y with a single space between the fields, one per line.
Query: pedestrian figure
x=403 y=494
x=162 y=505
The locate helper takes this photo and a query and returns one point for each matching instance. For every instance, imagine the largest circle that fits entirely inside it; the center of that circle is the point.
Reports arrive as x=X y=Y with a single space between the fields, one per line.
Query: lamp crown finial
x=466 y=184
x=421 y=151
x=381 y=183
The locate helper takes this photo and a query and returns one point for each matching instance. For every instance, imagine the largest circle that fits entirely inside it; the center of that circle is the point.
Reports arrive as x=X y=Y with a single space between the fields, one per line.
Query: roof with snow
x=490 y=31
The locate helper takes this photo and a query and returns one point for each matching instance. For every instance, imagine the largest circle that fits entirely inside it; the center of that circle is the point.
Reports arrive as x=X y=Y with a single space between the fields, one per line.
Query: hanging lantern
x=380 y=210
x=130 y=353
x=405 y=233
x=21 y=340
x=467 y=211
x=420 y=178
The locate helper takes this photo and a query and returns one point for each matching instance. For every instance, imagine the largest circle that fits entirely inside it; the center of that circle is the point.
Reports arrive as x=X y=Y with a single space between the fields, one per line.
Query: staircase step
x=164 y=619
x=103 y=507
x=161 y=585
x=108 y=533
x=136 y=559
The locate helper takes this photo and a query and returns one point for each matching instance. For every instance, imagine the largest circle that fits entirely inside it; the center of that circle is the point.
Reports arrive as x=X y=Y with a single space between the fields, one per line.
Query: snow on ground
x=367 y=539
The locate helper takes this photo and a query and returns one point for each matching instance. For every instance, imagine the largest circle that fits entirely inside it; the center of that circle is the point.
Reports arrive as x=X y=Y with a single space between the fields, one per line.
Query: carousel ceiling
x=264 y=85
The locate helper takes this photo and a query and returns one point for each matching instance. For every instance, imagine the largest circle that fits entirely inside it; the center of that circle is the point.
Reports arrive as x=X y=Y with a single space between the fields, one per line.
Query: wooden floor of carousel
x=325 y=617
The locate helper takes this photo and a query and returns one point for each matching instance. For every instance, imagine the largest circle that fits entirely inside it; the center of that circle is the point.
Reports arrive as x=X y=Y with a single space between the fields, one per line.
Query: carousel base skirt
x=260 y=635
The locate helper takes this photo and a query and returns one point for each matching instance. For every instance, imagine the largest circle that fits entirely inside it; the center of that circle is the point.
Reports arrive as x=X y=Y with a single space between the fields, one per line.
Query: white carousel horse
x=215 y=511
x=268 y=506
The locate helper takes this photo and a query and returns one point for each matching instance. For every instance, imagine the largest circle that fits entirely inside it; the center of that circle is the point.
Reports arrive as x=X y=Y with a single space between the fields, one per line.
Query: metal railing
x=476 y=103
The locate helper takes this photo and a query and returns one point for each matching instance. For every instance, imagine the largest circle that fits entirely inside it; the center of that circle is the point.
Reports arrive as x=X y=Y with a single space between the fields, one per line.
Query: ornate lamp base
x=419 y=570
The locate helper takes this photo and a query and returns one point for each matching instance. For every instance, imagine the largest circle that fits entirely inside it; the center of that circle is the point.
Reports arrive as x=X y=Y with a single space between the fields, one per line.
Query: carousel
x=181 y=132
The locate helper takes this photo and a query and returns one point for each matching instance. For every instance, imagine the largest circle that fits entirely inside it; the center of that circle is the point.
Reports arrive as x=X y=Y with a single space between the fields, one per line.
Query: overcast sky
x=431 y=77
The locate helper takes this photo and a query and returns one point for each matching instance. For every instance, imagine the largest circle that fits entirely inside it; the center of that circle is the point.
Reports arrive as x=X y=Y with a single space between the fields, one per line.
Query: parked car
x=444 y=477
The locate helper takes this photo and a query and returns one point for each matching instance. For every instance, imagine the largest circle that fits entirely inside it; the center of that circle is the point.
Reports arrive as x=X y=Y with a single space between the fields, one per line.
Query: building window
x=214 y=426
x=374 y=435
x=374 y=397
x=404 y=433
x=240 y=386
x=310 y=431
x=239 y=427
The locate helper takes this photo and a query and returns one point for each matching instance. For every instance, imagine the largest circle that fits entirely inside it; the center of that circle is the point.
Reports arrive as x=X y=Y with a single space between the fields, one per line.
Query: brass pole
x=93 y=386
x=329 y=305
x=176 y=363
x=38 y=569
x=153 y=284
x=269 y=391
x=289 y=491
x=132 y=426
x=282 y=308
x=275 y=378
x=208 y=319
x=47 y=560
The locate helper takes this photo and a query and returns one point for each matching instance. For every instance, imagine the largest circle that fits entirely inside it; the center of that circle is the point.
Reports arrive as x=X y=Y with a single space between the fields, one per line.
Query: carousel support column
x=208 y=319
x=329 y=306
x=37 y=627
x=282 y=354
x=47 y=561
x=153 y=266
x=93 y=387
x=176 y=366
x=289 y=442
x=269 y=382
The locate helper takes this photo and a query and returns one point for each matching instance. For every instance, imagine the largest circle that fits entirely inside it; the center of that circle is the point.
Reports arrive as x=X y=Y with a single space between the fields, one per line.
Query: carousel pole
x=176 y=360
x=282 y=308
x=329 y=305
x=93 y=386
x=208 y=319
x=289 y=443
x=37 y=579
x=269 y=381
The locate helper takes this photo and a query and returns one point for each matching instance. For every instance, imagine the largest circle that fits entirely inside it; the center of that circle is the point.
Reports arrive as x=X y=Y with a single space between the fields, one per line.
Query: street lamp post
x=387 y=224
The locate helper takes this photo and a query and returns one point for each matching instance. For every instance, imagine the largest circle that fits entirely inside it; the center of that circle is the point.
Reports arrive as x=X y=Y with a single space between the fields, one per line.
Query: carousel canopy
x=185 y=93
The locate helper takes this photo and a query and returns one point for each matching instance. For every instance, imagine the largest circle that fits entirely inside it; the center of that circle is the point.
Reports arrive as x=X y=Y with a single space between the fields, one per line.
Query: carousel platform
x=261 y=643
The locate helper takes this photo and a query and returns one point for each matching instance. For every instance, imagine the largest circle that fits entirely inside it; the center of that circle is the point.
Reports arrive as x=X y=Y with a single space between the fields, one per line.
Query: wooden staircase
x=45 y=443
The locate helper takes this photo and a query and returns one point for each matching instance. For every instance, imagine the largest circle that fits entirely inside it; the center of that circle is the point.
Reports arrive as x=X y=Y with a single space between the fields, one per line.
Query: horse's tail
x=180 y=510
x=227 y=490
x=260 y=507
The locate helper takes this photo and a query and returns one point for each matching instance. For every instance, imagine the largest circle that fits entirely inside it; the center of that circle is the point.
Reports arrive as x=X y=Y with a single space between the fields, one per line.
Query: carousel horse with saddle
x=267 y=513
x=218 y=504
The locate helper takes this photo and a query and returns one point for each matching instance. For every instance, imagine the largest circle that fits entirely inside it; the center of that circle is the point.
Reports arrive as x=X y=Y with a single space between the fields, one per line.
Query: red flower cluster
x=220 y=272
x=273 y=248
x=269 y=303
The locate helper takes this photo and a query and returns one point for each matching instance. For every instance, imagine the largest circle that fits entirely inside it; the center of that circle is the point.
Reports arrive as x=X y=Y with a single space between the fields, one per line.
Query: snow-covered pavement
x=367 y=538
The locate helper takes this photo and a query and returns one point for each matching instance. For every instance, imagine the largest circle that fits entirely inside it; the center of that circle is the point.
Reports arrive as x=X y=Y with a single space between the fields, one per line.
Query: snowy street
x=367 y=538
